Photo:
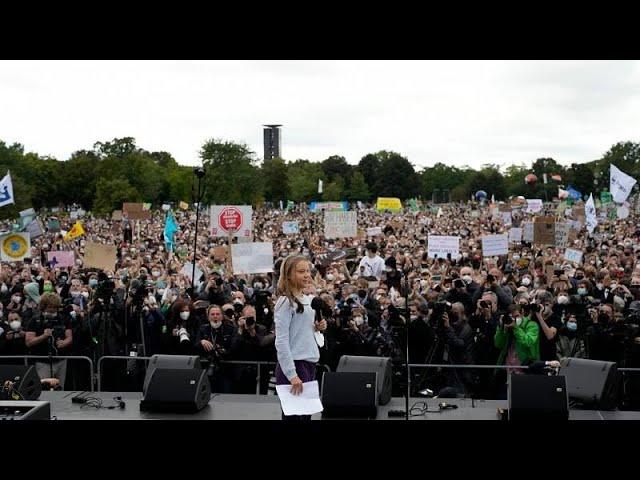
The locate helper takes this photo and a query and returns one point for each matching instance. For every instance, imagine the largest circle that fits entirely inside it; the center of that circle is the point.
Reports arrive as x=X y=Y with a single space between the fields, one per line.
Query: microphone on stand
x=318 y=306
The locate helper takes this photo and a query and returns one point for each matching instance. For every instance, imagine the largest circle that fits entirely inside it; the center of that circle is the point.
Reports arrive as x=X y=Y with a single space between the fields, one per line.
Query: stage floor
x=267 y=407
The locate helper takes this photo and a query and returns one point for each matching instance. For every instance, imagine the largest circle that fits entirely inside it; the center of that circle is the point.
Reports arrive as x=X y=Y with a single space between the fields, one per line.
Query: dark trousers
x=307 y=373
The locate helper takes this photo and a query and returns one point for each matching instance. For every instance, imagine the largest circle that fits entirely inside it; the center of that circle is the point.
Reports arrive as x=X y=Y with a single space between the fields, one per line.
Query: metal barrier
x=47 y=358
x=114 y=357
x=224 y=362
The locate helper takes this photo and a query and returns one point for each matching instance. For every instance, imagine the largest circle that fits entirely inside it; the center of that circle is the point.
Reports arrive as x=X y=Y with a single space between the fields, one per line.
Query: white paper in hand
x=307 y=403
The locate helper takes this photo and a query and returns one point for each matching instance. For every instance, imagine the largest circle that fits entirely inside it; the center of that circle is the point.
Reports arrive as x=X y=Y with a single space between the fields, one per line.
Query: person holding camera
x=372 y=265
x=214 y=342
x=517 y=338
x=48 y=334
x=550 y=323
x=459 y=294
x=247 y=345
x=12 y=336
x=493 y=284
x=181 y=327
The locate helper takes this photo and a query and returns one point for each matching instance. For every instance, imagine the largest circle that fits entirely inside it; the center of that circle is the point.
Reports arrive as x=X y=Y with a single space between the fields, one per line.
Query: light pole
x=199 y=172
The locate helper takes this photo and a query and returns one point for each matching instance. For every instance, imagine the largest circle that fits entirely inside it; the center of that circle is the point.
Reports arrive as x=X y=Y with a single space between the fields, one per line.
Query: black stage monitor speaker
x=592 y=383
x=175 y=384
x=379 y=365
x=538 y=397
x=349 y=394
x=19 y=382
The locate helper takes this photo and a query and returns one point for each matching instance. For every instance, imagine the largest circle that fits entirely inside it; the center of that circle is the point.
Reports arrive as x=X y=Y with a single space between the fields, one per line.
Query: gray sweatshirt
x=295 y=338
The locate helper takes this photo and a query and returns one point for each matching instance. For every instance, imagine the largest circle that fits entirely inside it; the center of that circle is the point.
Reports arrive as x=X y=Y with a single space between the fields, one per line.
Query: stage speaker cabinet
x=25 y=380
x=538 y=397
x=592 y=383
x=349 y=395
x=176 y=384
x=379 y=365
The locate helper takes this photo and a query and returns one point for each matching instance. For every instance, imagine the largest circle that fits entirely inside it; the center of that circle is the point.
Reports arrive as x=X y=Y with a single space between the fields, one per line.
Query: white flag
x=590 y=214
x=620 y=184
x=6 y=190
x=319 y=186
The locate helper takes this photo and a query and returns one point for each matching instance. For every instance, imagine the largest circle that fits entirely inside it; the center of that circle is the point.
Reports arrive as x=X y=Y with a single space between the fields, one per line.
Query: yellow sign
x=388 y=203
x=75 y=232
x=184 y=205
x=15 y=246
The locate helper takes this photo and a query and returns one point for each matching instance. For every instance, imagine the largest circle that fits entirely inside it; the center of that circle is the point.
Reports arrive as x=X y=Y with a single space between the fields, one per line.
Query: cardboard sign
x=372 y=232
x=534 y=205
x=116 y=215
x=506 y=218
x=562 y=230
x=290 y=228
x=136 y=211
x=97 y=255
x=187 y=271
x=515 y=235
x=254 y=257
x=61 y=258
x=438 y=246
x=527 y=232
x=220 y=253
x=571 y=255
x=493 y=245
x=544 y=232
x=231 y=219
x=54 y=225
x=340 y=224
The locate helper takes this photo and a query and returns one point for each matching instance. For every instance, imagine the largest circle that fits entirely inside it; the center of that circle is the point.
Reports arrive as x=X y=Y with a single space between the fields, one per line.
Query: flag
x=544 y=178
x=573 y=193
x=146 y=207
x=290 y=205
x=15 y=246
x=170 y=228
x=75 y=232
x=413 y=205
x=556 y=177
x=590 y=214
x=319 y=186
x=620 y=184
x=184 y=205
x=6 y=190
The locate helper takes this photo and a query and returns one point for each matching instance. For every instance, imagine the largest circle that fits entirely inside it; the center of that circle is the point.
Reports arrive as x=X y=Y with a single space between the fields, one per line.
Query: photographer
x=570 y=344
x=12 y=338
x=247 y=345
x=49 y=333
x=459 y=294
x=214 y=342
x=550 y=323
x=181 y=327
x=492 y=284
x=517 y=339
x=603 y=335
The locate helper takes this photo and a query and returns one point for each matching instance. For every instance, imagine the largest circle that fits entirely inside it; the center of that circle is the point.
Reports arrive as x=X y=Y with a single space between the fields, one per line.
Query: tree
x=334 y=191
x=358 y=189
x=276 y=180
x=336 y=167
x=303 y=180
x=111 y=194
x=368 y=166
x=396 y=177
x=442 y=177
x=232 y=176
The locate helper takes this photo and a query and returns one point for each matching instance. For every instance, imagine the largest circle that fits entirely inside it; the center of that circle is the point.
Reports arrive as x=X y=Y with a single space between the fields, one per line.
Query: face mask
x=424 y=283
x=516 y=257
x=599 y=286
x=467 y=279
x=155 y=273
x=414 y=318
x=15 y=325
x=238 y=302
x=579 y=276
x=4 y=288
x=85 y=294
x=582 y=291
x=388 y=269
x=563 y=300
x=184 y=315
x=72 y=314
x=359 y=320
x=93 y=282
x=572 y=326
x=161 y=291
x=536 y=284
x=49 y=315
x=215 y=324
x=15 y=299
x=330 y=277
x=526 y=281
x=518 y=321
x=258 y=285
x=283 y=254
x=613 y=286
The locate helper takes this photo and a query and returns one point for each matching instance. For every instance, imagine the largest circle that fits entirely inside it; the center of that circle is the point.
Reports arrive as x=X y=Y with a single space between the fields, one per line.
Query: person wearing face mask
x=373 y=263
x=600 y=338
x=550 y=321
x=570 y=344
x=12 y=337
x=49 y=333
x=466 y=274
x=181 y=327
x=213 y=343
x=517 y=339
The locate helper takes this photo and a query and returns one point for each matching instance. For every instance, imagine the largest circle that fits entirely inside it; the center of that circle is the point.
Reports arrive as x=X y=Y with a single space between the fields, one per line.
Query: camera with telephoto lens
x=249 y=321
x=507 y=319
x=183 y=335
x=529 y=308
x=439 y=309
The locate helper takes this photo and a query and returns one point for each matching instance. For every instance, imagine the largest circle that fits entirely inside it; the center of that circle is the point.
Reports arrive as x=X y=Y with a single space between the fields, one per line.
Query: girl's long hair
x=285 y=286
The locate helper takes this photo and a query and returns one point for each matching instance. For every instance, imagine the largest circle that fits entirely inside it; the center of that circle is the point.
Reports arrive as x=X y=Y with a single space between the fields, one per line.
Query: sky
x=455 y=112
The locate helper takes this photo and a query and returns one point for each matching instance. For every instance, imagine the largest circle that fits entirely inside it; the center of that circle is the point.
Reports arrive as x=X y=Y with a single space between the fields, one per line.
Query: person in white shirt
x=372 y=265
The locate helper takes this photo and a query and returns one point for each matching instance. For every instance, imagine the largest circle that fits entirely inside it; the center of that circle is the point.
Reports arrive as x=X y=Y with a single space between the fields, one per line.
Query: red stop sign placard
x=230 y=218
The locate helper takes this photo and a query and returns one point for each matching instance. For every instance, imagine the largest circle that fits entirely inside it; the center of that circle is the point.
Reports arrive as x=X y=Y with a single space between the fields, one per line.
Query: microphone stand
x=406 y=342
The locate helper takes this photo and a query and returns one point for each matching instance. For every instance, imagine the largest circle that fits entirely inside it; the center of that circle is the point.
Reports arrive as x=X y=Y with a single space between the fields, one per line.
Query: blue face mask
x=93 y=282
x=582 y=292
x=572 y=326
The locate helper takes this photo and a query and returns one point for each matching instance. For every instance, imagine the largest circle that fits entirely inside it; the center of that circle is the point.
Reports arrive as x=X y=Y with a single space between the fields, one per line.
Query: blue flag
x=573 y=193
x=170 y=228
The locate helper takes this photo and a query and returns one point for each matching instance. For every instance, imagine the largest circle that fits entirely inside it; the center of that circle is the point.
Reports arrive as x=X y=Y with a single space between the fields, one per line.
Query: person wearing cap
x=371 y=265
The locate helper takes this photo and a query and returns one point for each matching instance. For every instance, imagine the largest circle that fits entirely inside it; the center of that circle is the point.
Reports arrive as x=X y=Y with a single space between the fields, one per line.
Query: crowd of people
x=378 y=291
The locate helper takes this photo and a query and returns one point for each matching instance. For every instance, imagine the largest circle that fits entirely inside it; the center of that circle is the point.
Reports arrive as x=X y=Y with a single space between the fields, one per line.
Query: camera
x=507 y=319
x=183 y=335
x=439 y=309
x=458 y=283
x=249 y=321
x=484 y=304
x=491 y=278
